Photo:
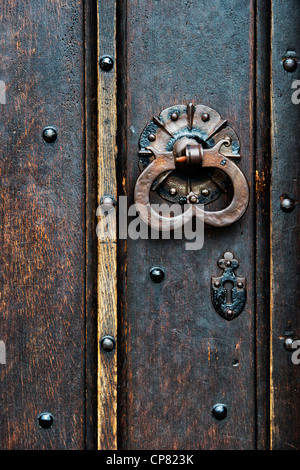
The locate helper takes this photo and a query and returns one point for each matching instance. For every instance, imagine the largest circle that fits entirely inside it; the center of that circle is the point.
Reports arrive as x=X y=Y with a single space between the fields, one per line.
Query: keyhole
x=228 y=286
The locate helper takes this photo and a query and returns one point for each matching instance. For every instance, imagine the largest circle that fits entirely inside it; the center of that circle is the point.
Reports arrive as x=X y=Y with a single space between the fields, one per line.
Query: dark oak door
x=95 y=352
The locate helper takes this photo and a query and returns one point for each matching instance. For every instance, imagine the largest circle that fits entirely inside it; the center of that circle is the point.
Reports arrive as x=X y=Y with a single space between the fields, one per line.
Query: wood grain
x=42 y=216
x=179 y=357
x=285 y=272
x=262 y=242
x=107 y=242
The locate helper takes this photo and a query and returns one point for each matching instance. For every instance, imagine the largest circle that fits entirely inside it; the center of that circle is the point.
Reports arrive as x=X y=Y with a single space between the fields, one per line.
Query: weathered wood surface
x=285 y=273
x=91 y=112
x=107 y=241
x=180 y=357
x=42 y=216
x=262 y=239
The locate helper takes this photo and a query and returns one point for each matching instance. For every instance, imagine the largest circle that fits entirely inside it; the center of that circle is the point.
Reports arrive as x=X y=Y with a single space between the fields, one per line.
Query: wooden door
x=81 y=80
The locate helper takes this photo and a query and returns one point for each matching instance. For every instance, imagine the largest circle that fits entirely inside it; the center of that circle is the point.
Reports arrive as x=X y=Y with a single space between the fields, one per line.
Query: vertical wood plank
x=285 y=272
x=91 y=120
x=262 y=287
x=181 y=358
x=42 y=217
x=107 y=243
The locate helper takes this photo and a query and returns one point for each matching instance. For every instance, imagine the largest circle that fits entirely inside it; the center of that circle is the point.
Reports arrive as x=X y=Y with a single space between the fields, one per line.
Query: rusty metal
x=165 y=161
x=197 y=124
x=228 y=308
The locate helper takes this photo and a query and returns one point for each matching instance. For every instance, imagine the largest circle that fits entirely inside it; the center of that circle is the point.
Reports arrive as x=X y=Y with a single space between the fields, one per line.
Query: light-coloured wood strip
x=107 y=234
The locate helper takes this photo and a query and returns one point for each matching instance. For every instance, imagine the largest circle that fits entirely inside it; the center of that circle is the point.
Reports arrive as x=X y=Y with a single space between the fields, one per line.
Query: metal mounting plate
x=201 y=124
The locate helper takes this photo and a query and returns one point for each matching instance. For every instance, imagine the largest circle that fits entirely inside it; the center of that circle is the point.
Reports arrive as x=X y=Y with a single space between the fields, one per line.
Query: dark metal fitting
x=152 y=137
x=229 y=313
x=49 y=134
x=106 y=63
x=45 y=420
x=205 y=117
x=205 y=192
x=287 y=204
x=219 y=411
x=108 y=343
x=290 y=64
x=157 y=275
x=107 y=203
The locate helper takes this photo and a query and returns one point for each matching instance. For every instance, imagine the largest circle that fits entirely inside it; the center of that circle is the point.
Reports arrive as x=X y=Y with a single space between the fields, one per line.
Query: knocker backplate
x=200 y=124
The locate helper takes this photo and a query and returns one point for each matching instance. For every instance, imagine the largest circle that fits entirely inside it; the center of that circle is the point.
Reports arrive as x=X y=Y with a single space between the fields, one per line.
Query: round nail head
x=290 y=64
x=288 y=344
x=106 y=63
x=174 y=116
x=173 y=191
x=49 y=135
x=205 y=192
x=205 y=117
x=229 y=313
x=217 y=284
x=107 y=203
x=45 y=420
x=157 y=275
x=240 y=284
x=108 y=343
x=193 y=199
x=287 y=204
x=152 y=137
x=219 y=411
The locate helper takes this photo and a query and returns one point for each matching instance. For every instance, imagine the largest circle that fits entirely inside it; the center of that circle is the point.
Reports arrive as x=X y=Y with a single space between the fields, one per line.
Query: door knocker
x=186 y=156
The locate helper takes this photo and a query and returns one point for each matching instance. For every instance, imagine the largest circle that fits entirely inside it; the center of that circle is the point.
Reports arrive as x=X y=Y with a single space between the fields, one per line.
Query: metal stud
x=49 y=134
x=107 y=203
x=217 y=284
x=290 y=64
x=174 y=116
x=229 y=313
x=205 y=192
x=108 y=343
x=287 y=204
x=288 y=344
x=45 y=420
x=173 y=191
x=228 y=263
x=205 y=117
x=151 y=137
x=193 y=198
x=157 y=275
x=240 y=285
x=219 y=411
x=106 y=63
